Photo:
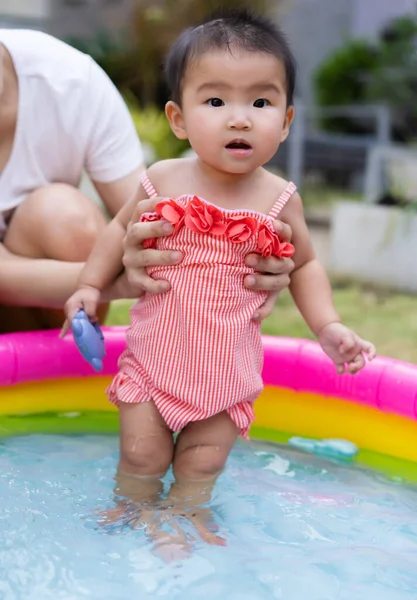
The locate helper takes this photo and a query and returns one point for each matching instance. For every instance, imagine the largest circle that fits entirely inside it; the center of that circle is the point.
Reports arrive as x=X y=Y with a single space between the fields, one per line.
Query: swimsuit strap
x=282 y=200
x=147 y=185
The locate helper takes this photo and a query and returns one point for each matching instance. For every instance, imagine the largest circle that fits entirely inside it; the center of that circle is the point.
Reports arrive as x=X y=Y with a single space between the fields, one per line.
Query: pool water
x=297 y=528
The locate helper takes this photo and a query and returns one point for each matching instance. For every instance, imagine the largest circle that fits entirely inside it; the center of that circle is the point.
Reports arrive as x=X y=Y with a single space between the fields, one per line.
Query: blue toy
x=89 y=340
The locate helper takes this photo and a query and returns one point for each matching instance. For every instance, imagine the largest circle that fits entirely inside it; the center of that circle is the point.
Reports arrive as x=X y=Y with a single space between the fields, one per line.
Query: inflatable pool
x=46 y=386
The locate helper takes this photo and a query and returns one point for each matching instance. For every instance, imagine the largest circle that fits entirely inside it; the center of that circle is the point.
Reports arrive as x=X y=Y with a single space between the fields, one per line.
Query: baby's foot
x=125 y=514
x=171 y=547
x=111 y=516
x=201 y=518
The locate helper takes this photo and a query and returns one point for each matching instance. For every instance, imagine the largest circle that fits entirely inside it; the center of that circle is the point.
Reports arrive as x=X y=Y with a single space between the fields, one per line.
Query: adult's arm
x=36 y=282
x=115 y=194
x=47 y=283
x=114 y=154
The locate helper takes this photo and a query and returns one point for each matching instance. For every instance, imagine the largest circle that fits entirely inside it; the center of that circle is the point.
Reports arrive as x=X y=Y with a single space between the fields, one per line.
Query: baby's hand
x=86 y=299
x=346 y=349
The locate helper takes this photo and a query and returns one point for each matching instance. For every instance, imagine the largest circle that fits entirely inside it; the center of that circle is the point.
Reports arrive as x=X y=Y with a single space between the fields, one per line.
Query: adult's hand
x=136 y=258
x=274 y=273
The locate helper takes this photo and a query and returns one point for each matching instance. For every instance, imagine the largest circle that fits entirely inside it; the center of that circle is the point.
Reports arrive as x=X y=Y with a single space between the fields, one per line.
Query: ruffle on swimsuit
x=201 y=217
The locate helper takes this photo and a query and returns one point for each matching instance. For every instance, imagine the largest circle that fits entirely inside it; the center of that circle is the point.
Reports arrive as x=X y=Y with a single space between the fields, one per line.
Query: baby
x=194 y=356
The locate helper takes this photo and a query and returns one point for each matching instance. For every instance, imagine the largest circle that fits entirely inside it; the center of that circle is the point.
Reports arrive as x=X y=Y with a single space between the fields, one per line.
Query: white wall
x=370 y=16
x=374 y=244
x=25 y=9
x=315 y=28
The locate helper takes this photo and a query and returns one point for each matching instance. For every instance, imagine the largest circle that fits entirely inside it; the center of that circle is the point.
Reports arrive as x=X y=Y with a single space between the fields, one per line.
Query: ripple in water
x=297 y=528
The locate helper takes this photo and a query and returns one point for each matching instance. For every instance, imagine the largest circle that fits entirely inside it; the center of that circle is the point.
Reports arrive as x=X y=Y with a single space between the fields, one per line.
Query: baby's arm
x=104 y=263
x=310 y=288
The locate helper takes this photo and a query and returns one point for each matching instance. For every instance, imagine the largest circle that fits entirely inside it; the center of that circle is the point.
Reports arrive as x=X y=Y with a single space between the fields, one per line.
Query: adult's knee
x=57 y=221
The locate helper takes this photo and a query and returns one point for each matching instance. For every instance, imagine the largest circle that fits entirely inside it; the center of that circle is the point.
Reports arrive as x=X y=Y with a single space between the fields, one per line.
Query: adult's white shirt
x=70 y=118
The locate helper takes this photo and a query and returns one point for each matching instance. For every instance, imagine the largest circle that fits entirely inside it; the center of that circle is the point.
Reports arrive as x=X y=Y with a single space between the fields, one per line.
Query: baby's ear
x=176 y=120
x=289 y=116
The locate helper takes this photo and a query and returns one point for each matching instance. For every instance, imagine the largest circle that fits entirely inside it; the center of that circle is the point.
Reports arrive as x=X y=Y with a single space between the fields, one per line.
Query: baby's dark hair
x=240 y=29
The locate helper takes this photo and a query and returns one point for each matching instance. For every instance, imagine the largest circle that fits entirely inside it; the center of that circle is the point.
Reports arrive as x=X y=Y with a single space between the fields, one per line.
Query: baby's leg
x=200 y=455
x=202 y=449
x=146 y=451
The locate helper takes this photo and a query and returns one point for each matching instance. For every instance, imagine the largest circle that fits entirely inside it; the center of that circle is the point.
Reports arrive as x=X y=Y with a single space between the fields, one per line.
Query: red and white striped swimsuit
x=196 y=350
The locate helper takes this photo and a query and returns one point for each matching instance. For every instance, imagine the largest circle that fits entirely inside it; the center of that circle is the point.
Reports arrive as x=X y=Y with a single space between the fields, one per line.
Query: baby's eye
x=261 y=103
x=215 y=102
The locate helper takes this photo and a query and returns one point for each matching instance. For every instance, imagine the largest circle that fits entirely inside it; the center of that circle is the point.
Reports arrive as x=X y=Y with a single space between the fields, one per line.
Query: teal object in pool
x=330 y=448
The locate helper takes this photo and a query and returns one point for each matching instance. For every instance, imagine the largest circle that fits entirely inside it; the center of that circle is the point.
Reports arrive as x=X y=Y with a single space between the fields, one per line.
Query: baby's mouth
x=238 y=145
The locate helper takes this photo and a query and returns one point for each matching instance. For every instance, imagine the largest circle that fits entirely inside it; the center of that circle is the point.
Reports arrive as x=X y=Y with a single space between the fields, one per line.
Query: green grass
x=318 y=196
x=387 y=319
x=322 y=198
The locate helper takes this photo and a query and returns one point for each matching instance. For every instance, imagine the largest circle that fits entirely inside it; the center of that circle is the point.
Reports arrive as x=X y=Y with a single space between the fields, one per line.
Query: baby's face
x=234 y=108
